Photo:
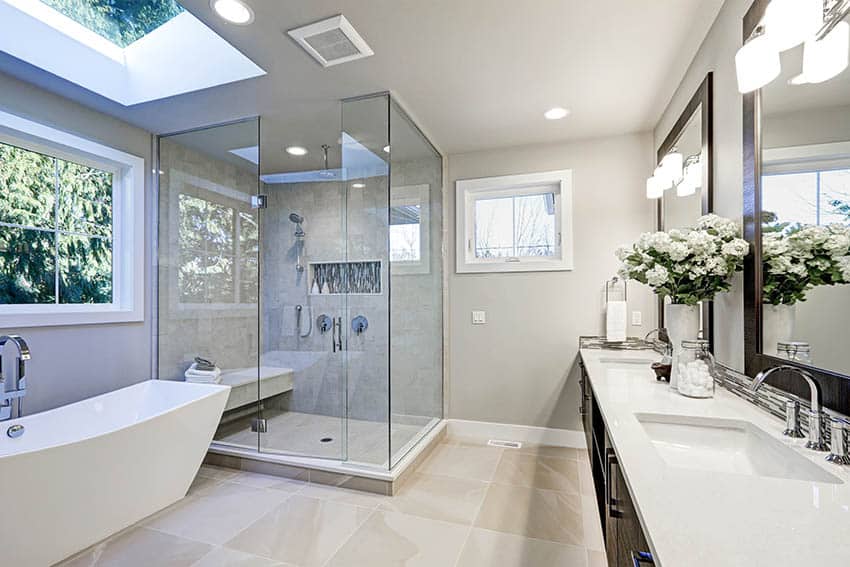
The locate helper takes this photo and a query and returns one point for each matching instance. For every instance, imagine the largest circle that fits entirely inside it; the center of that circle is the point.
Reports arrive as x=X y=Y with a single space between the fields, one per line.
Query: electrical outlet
x=479 y=317
x=637 y=318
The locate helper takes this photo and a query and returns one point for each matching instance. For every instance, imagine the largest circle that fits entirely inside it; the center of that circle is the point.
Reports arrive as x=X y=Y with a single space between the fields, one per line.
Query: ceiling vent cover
x=332 y=41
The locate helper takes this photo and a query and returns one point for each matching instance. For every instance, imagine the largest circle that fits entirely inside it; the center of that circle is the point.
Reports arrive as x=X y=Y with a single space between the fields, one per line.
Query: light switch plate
x=637 y=318
x=479 y=317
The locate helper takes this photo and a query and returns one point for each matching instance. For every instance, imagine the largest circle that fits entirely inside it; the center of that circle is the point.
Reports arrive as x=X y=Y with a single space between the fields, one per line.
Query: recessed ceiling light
x=556 y=113
x=233 y=11
x=358 y=185
x=296 y=151
x=386 y=149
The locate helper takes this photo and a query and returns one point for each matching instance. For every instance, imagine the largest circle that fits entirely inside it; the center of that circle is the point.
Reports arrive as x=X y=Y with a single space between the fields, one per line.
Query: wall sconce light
x=675 y=171
x=786 y=24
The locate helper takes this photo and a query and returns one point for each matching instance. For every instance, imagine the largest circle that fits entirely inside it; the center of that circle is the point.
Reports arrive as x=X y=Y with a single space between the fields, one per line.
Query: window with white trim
x=71 y=229
x=515 y=223
x=807 y=184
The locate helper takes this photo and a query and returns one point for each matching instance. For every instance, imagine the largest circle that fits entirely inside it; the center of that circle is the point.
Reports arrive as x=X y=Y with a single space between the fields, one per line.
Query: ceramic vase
x=682 y=323
x=778 y=324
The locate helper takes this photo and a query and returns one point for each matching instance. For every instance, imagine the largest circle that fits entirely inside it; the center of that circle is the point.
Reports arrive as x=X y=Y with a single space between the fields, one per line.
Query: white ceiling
x=474 y=74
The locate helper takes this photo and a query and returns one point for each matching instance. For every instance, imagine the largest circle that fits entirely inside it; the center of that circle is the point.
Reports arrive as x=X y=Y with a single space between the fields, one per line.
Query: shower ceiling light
x=296 y=151
x=556 y=113
x=358 y=185
x=233 y=11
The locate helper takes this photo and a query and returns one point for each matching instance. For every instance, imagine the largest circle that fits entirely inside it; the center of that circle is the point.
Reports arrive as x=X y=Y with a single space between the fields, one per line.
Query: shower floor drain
x=326 y=439
x=506 y=444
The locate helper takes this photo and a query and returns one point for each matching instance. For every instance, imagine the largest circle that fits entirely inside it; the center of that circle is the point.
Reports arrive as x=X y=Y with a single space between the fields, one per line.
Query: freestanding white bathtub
x=82 y=472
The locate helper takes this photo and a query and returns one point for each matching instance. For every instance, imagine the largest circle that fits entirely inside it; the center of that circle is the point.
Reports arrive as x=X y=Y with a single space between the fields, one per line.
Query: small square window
x=410 y=236
x=515 y=223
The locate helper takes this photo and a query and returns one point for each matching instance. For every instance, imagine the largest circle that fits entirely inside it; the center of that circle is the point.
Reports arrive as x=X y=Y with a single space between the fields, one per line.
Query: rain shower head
x=296 y=218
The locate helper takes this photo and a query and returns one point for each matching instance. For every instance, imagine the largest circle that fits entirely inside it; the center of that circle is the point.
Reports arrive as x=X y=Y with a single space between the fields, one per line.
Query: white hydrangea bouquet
x=798 y=258
x=687 y=265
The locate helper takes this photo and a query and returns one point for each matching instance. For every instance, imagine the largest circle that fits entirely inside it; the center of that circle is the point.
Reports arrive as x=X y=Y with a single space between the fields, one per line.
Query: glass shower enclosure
x=313 y=288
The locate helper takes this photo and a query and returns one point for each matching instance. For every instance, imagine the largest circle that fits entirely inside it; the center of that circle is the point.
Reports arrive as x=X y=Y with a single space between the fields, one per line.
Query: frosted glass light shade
x=672 y=166
x=662 y=178
x=756 y=63
x=693 y=175
x=824 y=59
x=654 y=190
x=789 y=23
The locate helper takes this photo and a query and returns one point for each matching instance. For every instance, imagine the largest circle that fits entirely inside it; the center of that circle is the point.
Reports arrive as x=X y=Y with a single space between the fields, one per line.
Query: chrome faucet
x=663 y=339
x=19 y=390
x=792 y=409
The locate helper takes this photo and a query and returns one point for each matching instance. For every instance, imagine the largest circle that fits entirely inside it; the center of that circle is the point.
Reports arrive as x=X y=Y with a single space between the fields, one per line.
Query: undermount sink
x=626 y=360
x=727 y=446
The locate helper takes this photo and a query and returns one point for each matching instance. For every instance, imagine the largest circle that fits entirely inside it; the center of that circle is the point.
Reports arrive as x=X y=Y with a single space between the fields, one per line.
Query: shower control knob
x=359 y=324
x=323 y=322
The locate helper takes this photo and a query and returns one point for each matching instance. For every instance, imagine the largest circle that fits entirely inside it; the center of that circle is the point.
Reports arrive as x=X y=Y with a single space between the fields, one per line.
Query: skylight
x=129 y=51
x=120 y=21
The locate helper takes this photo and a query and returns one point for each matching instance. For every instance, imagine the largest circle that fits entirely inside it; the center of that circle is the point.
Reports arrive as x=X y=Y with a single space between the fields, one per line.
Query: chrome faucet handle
x=792 y=420
x=838 y=443
x=816 y=442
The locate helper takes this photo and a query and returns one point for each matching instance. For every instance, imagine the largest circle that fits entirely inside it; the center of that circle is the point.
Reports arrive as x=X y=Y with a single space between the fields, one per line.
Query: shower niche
x=338 y=278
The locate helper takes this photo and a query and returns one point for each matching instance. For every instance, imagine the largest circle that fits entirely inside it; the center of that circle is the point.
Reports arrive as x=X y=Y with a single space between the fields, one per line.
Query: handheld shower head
x=296 y=218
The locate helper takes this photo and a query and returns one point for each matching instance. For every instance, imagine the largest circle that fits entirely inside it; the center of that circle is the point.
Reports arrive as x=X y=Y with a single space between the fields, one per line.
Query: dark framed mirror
x=796 y=157
x=692 y=136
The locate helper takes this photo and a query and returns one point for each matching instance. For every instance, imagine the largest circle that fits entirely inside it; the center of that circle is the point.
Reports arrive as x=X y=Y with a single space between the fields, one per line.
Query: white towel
x=615 y=321
x=203 y=376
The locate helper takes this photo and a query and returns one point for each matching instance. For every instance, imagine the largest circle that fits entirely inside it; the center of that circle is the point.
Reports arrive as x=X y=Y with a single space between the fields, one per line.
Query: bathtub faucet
x=19 y=389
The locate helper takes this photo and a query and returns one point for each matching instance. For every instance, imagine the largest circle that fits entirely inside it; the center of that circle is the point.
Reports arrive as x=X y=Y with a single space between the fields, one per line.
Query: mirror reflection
x=682 y=204
x=805 y=179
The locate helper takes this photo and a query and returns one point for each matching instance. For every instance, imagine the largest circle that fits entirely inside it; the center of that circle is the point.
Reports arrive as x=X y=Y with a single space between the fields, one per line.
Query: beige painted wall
x=521 y=367
x=717 y=54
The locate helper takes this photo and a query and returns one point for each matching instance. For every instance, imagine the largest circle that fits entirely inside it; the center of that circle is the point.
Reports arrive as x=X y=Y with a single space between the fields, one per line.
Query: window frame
x=128 y=227
x=469 y=191
x=415 y=195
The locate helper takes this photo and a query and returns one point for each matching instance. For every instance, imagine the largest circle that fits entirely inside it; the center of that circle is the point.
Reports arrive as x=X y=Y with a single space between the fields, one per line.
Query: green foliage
x=120 y=21
x=29 y=185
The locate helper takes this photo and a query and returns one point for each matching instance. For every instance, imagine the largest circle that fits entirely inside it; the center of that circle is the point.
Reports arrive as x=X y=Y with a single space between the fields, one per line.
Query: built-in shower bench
x=243 y=384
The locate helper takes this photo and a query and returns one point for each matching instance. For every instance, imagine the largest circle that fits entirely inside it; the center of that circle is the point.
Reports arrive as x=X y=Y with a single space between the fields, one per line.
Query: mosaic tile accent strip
x=346 y=277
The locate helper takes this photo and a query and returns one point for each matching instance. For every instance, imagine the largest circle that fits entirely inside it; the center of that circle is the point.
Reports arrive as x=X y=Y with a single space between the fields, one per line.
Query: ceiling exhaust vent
x=332 y=41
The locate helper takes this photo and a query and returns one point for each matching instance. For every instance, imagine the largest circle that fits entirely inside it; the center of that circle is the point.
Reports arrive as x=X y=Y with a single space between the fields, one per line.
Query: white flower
x=701 y=242
x=737 y=247
x=844 y=266
x=660 y=242
x=837 y=244
x=657 y=276
x=678 y=251
x=623 y=252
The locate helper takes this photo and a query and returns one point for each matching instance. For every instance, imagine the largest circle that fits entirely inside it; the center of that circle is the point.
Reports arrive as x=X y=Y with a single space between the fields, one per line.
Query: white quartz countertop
x=695 y=518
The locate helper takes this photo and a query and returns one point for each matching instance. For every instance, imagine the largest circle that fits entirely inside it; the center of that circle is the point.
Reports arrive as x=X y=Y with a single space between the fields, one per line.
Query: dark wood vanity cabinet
x=625 y=543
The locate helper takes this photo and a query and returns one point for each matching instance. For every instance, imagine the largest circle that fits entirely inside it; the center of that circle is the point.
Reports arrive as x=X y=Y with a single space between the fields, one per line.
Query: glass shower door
x=303 y=296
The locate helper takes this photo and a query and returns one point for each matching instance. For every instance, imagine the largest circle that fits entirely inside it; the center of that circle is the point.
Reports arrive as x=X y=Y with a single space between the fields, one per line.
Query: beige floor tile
x=203 y=484
x=551 y=451
x=596 y=558
x=215 y=516
x=533 y=512
x=389 y=539
x=220 y=473
x=303 y=531
x=585 y=477
x=592 y=525
x=342 y=495
x=552 y=473
x=438 y=498
x=141 y=547
x=475 y=463
x=223 y=557
x=486 y=548
x=267 y=481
